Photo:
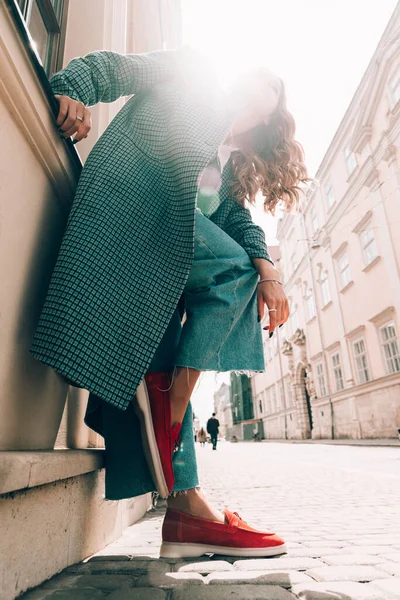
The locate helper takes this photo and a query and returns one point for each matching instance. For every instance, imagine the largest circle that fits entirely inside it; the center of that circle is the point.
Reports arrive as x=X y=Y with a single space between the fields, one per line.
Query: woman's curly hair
x=270 y=161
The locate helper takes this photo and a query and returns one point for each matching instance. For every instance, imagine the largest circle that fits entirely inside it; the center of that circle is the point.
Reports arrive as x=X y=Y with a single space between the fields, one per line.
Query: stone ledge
x=23 y=469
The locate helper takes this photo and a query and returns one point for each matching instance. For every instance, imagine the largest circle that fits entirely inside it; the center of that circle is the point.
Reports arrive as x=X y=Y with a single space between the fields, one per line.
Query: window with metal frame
x=329 y=194
x=390 y=347
x=344 y=269
x=350 y=159
x=368 y=244
x=337 y=371
x=325 y=290
x=321 y=379
x=46 y=22
x=310 y=305
x=361 y=361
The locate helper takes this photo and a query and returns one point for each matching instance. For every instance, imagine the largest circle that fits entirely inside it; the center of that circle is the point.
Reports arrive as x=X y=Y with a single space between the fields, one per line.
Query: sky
x=320 y=48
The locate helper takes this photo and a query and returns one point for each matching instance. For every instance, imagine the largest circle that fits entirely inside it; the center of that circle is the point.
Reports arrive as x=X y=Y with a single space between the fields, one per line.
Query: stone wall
x=46 y=527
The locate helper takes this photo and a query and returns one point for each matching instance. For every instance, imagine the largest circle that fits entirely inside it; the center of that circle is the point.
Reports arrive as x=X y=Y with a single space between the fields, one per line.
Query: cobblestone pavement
x=337 y=507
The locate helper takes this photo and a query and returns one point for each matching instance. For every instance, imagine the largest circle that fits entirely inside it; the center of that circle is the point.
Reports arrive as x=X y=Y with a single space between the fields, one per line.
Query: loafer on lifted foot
x=153 y=407
x=185 y=536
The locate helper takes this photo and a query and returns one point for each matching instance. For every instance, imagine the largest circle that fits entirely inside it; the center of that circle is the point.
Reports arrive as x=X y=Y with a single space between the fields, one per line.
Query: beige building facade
x=333 y=370
x=222 y=409
x=51 y=465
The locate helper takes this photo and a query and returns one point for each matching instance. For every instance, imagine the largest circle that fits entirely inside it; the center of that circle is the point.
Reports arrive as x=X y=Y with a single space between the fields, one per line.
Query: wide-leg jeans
x=221 y=331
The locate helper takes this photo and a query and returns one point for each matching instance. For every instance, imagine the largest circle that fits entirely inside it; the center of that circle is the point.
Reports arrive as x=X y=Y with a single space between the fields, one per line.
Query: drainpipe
x=283 y=383
x=303 y=222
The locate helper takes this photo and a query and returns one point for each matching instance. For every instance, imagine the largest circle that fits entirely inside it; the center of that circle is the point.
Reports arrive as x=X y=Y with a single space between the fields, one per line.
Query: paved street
x=338 y=508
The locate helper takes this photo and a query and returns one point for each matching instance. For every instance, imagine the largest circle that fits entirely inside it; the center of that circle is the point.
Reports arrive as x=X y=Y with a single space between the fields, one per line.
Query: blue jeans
x=221 y=331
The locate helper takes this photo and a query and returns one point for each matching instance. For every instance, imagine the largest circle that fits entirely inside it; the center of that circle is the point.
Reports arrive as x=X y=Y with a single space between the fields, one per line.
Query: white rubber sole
x=176 y=550
x=143 y=411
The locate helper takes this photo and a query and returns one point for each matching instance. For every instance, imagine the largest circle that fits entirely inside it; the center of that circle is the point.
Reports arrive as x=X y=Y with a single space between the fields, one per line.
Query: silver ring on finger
x=79 y=118
x=273 y=310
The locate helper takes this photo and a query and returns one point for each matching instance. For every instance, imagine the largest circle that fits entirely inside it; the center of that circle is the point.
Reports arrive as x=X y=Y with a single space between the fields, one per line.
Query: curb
x=384 y=443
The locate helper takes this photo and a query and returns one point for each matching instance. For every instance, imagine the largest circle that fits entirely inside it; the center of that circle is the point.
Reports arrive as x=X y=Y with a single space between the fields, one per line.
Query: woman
x=202 y=437
x=158 y=228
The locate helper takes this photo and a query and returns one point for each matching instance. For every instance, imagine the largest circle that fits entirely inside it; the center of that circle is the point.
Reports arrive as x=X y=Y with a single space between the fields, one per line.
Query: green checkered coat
x=128 y=246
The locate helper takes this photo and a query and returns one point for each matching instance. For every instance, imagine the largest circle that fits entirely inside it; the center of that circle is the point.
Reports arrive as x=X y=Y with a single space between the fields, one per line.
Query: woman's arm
x=106 y=76
x=237 y=222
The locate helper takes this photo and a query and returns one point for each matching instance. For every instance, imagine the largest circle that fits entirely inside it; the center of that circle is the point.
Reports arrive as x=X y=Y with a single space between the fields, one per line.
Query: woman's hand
x=73 y=117
x=271 y=294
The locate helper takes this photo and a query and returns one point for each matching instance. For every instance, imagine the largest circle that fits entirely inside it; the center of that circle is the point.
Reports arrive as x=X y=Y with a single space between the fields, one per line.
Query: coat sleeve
x=237 y=222
x=106 y=76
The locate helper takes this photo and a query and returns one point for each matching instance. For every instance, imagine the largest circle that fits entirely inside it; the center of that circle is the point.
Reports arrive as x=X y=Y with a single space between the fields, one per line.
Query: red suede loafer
x=185 y=536
x=153 y=407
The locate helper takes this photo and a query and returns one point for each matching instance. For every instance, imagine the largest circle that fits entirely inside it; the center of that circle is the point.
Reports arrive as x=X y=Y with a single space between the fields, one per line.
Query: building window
x=344 y=270
x=360 y=358
x=313 y=220
x=260 y=406
x=351 y=161
x=321 y=379
x=325 y=291
x=368 y=244
x=310 y=305
x=390 y=347
x=329 y=194
x=337 y=372
x=46 y=22
x=394 y=88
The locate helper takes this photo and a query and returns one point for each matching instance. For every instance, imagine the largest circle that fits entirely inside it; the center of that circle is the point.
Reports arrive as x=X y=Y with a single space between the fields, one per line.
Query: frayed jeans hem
x=184 y=492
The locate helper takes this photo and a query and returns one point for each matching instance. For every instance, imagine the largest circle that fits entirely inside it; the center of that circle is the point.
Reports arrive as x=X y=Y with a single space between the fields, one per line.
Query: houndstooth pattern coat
x=128 y=246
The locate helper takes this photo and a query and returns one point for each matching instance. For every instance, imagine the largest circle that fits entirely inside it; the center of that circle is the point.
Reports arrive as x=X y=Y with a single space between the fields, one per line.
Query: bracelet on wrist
x=274 y=280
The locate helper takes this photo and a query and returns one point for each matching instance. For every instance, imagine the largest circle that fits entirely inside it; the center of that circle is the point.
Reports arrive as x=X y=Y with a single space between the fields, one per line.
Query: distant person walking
x=213 y=429
x=202 y=437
